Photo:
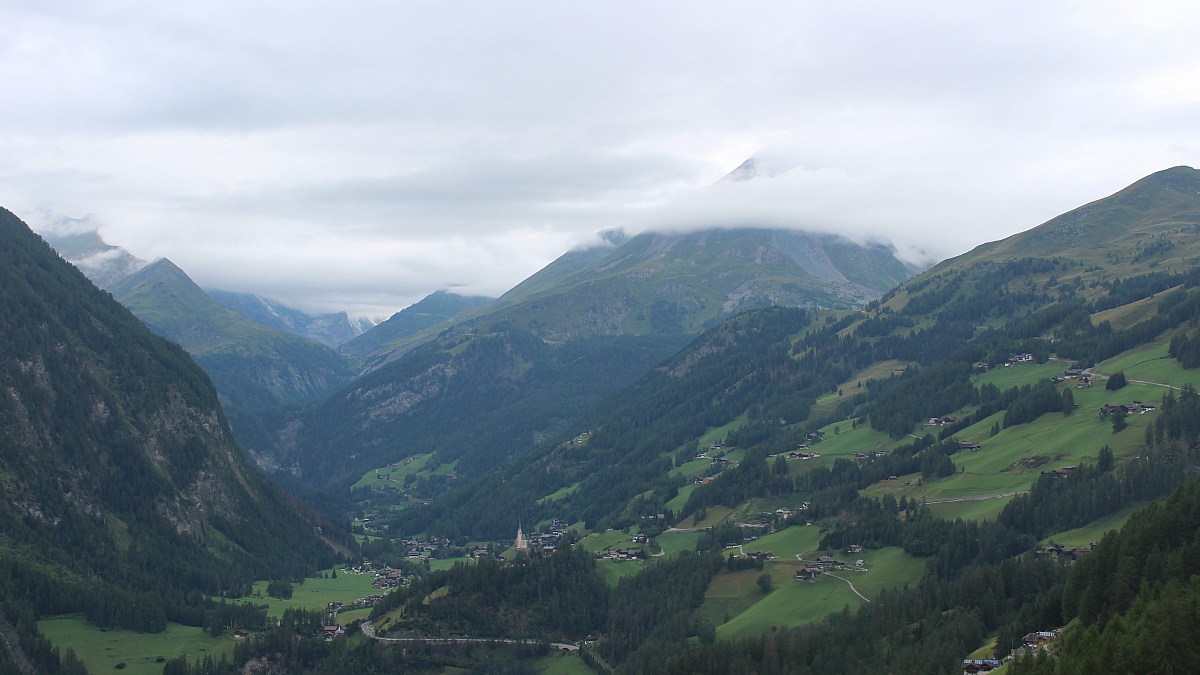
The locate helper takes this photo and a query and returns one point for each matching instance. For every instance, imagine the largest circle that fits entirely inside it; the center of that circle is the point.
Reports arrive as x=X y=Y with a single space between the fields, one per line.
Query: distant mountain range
x=410 y=327
x=545 y=351
x=108 y=265
x=509 y=373
x=329 y=329
x=253 y=366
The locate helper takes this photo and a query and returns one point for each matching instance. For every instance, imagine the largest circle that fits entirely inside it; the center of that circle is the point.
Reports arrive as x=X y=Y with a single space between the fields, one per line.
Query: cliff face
x=114 y=441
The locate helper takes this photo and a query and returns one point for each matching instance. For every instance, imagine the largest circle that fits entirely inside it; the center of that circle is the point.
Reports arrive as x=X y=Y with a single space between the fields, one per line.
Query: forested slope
x=123 y=493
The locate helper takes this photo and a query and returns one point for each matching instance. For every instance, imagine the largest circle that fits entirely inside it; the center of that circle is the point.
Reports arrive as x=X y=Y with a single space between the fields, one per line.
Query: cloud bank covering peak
x=359 y=157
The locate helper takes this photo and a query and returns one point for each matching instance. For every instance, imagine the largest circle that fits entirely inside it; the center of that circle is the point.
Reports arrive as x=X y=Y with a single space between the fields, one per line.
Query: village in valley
x=774 y=542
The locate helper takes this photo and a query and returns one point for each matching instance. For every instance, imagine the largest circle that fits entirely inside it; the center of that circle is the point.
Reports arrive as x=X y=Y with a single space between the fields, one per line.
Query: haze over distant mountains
x=80 y=243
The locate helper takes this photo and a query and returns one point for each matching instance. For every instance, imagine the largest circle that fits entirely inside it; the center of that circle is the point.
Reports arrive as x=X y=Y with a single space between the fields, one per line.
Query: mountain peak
x=80 y=243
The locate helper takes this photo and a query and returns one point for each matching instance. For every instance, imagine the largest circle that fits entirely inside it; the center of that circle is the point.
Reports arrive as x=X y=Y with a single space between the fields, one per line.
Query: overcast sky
x=361 y=155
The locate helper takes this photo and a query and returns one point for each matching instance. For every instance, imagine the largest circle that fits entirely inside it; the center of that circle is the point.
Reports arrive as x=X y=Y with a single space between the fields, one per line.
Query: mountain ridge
x=123 y=486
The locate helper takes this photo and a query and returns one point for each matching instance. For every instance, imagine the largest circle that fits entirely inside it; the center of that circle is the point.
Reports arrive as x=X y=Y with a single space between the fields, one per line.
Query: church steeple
x=520 y=544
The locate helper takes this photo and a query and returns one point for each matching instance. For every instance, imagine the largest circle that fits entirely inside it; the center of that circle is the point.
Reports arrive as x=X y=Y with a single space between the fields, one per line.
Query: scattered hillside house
x=1110 y=408
x=1072 y=372
x=941 y=421
x=1040 y=638
x=808 y=573
x=784 y=512
x=826 y=562
x=1085 y=382
x=860 y=455
x=972 y=666
x=968 y=445
x=854 y=548
x=621 y=554
x=331 y=632
x=1061 y=473
x=1060 y=552
x=1019 y=358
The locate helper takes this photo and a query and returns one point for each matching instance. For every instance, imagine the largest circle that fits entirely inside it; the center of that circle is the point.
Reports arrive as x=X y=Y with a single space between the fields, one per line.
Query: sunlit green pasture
x=788 y=542
x=316 y=593
x=794 y=603
x=102 y=649
x=1095 y=530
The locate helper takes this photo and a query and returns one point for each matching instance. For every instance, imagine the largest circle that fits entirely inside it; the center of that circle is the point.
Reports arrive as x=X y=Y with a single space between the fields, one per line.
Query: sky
x=358 y=156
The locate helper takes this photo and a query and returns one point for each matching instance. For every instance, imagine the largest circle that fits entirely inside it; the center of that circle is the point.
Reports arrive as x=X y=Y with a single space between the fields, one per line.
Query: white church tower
x=520 y=544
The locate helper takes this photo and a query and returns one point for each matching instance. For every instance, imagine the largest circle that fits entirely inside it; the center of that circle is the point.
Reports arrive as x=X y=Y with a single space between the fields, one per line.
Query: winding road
x=850 y=583
x=369 y=631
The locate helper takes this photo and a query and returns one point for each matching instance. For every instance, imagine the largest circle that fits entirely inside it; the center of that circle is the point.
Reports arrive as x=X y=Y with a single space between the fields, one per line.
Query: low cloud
x=360 y=157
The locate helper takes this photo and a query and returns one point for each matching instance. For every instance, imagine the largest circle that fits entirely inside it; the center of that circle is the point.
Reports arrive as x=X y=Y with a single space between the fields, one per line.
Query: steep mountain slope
x=657 y=283
x=520 y=370
x=122 y=489
x=1150 y=226
x=474 y=400
x=410 y=326
x=328 y=329
x=252 y=366
x=766 y=379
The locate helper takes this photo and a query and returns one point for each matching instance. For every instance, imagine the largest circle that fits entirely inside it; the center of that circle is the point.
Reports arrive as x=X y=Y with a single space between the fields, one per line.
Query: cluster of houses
x=1085 y=379
x=765 y=556
x=715 y=447
x=719 y=461
x=941 y=421
x=385 y=577
x=825 y=563
x=424 y=550
x=1018 y=358
x=332 y=631
x=972 y=666
x=622 y=554
x=1038 y=641
x=544 y=542
x=802 y=453
x=1034 y=642
x=618 y=554
x=864 y=456
x=1135 y=408
x=358 y=603
x=389 y=578
x=784 y=513
x=1060 y=552
x=547 y=542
